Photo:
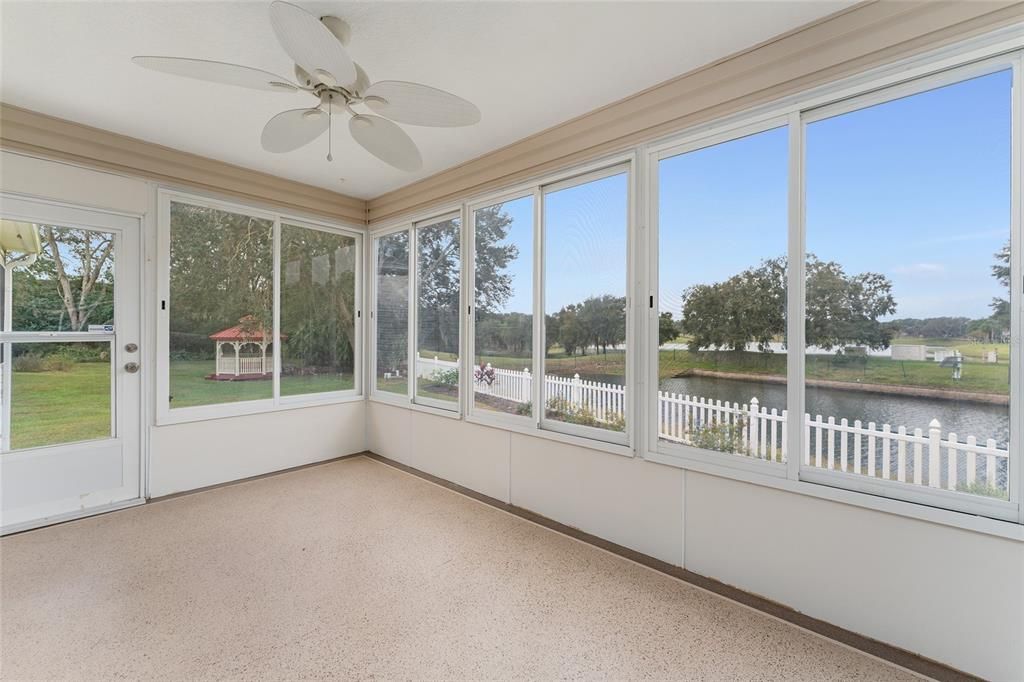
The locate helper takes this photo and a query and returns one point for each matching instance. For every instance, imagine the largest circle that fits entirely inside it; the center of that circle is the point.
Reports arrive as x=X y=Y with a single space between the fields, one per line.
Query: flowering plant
x=484 y=374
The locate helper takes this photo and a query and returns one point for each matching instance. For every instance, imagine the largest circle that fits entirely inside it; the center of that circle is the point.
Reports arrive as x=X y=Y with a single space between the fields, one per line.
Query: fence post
x=934 y=450
x=574 y=394
x=752 y=429
x=527 y=386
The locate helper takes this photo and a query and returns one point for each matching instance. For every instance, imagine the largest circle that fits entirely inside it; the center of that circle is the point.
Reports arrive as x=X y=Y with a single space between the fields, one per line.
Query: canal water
x=960 y=417
x=981 y=420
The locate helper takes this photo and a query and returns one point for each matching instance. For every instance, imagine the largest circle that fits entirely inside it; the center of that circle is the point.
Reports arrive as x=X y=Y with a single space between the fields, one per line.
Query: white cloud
x=919 y=269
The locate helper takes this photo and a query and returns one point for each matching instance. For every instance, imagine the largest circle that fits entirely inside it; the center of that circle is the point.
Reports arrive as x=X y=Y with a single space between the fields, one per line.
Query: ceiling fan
x=324 y=70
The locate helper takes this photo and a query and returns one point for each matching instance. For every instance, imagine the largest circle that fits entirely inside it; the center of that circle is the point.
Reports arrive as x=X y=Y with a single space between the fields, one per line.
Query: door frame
x=129 y=409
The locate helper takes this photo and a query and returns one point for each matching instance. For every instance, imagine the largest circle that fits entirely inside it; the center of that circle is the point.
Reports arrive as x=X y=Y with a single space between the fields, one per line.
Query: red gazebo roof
x=243 y=331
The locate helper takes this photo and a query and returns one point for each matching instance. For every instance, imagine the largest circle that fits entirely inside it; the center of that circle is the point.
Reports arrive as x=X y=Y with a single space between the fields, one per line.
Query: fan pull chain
x=330 y=127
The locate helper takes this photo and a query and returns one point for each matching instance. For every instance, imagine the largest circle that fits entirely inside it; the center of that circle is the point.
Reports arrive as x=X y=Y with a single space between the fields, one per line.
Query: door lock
x=131 y=367
x=130 y=347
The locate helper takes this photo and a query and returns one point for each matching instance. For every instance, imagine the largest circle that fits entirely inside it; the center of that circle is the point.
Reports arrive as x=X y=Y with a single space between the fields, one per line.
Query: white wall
x=198 y=454
x=195 y=454
x=951 y=595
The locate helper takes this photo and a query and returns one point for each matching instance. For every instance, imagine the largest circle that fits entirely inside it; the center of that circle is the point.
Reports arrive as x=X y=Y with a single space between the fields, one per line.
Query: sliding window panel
x=391 y=313
x=722 y=354
x=586 y=226
x=438 y=282
x=503 y=307
x=318 y=311
x=220 y=307
x=908 y=277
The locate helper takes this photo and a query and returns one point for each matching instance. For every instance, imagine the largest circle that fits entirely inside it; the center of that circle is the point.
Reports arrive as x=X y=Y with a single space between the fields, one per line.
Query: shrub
x=33 y=362
x=721 y=437
x=446 y=377
x=29 y=362
x=563 y=410
x=983 y=489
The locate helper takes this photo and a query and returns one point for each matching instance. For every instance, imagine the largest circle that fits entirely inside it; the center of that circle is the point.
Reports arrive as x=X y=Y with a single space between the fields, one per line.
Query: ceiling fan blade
x=217 y=72
x=386 y=141
x=311 y=45
x=420 y=105
x=292 y=129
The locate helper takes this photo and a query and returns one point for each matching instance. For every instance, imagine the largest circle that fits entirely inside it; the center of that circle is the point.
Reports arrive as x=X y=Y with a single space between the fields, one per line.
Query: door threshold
x=70 y=516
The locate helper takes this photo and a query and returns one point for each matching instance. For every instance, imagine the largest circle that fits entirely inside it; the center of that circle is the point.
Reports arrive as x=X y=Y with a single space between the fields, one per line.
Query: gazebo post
x=263 y=358
x=237 y=345
x=216 y=368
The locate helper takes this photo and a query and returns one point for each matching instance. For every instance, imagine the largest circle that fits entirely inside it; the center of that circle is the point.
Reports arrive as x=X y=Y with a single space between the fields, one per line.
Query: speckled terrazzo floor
x=356 y=570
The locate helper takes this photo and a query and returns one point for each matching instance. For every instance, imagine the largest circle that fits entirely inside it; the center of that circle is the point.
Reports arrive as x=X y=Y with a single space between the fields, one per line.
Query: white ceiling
x=527 y=65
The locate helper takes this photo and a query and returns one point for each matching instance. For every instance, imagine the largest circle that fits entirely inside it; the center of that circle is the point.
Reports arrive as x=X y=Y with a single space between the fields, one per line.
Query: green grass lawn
x=977 y=377
x=49 y=408
x=190 y=387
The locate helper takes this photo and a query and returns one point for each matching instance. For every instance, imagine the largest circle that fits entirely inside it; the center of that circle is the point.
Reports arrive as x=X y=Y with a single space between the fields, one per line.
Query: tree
x=221 y=270
x=1001 y=271
x=318 y=297
x=572 y=334
x=392 y=313
x=844 y=309
x=493 y=285
x=70 y=285
x=438 y=275
x=666 y=328
x=750 y=307
x=747 y=307
x=603 y=320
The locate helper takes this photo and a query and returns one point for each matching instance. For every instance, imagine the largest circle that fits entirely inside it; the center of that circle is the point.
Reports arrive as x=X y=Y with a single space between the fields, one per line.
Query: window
x=438 y=281
x=220 y=306
x=585 y=284
x=318 y=311
x=58 y=282
x=722 y=243
x=503 y=307
x=908 y=333
x=391 y=254
x=245 y=327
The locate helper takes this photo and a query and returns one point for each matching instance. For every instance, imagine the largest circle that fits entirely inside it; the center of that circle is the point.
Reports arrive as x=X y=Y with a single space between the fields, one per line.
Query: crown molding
x=844 y=44
x=39 y=134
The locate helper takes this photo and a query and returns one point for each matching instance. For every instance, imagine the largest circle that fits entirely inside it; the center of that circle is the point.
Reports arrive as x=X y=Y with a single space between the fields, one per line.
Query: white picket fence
x=919 y=456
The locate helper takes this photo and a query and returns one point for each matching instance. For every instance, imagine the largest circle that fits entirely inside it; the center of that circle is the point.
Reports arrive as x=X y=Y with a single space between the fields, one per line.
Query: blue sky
x=917 y=189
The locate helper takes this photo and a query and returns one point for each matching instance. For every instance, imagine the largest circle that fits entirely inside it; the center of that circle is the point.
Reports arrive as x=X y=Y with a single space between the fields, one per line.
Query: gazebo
x=244 y=351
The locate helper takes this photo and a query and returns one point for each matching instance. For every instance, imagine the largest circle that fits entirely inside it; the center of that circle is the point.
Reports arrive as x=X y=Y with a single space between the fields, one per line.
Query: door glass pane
x=437 y=299
x=62 y=278
x=392 y=313
x=585 y=238
x=221 y=290
x=722 y=232
x=503 y=236
x=318 y=311
x=908 y=323
x=60 y=393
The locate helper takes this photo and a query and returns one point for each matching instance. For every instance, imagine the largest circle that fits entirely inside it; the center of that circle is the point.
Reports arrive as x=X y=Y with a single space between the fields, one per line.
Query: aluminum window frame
x=375 y=393
x=166 y=415
x=656 y=154
x=473 y=413
x=625 y=438
x=1007 y=510
x=797 y=113
x=457 y=406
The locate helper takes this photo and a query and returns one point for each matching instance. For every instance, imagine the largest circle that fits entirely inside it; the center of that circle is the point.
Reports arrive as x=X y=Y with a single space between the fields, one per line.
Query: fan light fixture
x=325 y=71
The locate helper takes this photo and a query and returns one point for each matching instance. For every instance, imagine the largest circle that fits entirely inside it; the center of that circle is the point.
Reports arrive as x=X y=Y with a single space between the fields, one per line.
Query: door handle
x=131 y=367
